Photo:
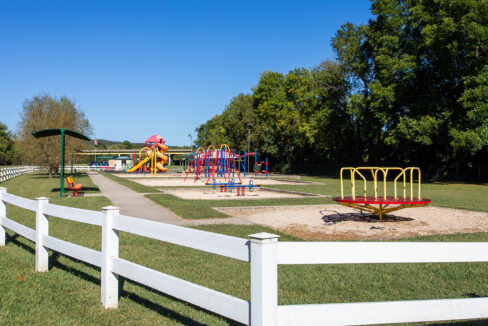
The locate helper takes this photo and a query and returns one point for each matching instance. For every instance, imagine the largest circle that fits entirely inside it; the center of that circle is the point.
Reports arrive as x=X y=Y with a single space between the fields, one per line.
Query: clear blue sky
x=137 y=68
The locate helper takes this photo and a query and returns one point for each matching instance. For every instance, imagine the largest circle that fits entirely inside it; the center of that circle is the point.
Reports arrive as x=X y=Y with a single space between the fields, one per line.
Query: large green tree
x=418 y=70
x=230 y=127
x=46 y=112
x=292 y=117
x=8 y=153
x=408 y=87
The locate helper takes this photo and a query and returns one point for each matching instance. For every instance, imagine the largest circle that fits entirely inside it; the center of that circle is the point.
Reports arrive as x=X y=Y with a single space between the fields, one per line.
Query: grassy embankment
x=70 y=292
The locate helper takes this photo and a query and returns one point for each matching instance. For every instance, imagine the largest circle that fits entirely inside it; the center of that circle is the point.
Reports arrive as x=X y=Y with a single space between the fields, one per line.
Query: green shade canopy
x=53 y=132
x=63 y=133
x=123 y=158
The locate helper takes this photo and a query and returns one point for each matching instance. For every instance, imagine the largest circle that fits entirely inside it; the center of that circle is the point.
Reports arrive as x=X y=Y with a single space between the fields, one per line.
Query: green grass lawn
x=130 y=184
x=40 y=185
x=453 y=195
x=70 y=292
x=200 y=209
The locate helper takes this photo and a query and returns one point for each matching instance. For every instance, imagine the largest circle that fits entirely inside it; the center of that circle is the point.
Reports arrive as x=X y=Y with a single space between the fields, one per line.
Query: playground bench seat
x=72 y=186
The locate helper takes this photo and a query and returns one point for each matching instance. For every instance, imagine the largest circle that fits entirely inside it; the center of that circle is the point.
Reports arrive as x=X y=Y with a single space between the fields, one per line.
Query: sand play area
x=190 y=182
x=335 y=222
x=210 y=194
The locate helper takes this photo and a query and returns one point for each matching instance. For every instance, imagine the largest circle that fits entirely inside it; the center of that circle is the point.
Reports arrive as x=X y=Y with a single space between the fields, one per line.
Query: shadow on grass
x=13 y=239
x=146 y=303
x=164 y=311
x=88 y=189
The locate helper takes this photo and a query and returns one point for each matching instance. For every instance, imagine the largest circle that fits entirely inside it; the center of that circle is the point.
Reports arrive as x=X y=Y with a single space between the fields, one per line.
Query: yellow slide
x=141 y=163
x=160 y=167
x=164 y=158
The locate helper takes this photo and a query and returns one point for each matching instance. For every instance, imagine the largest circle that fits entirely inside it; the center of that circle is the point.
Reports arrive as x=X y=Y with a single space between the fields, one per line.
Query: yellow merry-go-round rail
x=384 y=170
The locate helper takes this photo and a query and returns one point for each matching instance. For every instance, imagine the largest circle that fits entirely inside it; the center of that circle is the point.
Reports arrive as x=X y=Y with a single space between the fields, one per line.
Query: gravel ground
x=208 y=194
x=180 y=182
x=336 y=222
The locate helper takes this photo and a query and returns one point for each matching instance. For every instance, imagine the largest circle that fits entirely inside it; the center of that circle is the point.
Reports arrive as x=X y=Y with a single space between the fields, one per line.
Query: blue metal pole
x=255 y=162
x=245 y=158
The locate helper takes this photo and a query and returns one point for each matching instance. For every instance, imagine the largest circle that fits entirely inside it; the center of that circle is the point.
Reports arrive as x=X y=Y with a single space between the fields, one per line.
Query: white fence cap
x=264 y=237
x=110 y=208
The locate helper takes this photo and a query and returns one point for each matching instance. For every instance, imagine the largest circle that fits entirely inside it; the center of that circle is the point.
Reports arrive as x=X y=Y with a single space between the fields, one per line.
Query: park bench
x=72 y=186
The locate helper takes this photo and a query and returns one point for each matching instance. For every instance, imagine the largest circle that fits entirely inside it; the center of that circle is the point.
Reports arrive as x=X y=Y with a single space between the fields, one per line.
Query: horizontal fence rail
x=217 y=302
x=236 y=248
x=18 y=228
x=381 y=252
x=20 y=201
x=369 y=313
x=87 y=255
x=9 y=173
x=262 y=251
x=74 y=214
x=91 y=168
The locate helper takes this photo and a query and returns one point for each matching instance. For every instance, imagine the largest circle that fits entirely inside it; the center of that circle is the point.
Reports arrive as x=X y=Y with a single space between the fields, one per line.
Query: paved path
x=135 y=204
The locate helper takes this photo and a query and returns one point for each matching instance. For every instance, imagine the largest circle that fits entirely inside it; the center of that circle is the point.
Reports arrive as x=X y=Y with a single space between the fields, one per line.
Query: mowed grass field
x=69 y=293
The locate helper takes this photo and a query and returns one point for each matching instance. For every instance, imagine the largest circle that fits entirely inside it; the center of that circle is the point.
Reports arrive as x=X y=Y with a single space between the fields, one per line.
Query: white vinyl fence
x=264 y=253
x=9 y=173
x=79 y=168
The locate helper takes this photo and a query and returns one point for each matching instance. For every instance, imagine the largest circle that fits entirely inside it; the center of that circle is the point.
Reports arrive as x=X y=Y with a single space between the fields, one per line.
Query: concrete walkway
x=135 y=204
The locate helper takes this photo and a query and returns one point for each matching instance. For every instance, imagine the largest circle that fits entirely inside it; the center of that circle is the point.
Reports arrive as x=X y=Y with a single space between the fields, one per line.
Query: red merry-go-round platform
x=381 y=205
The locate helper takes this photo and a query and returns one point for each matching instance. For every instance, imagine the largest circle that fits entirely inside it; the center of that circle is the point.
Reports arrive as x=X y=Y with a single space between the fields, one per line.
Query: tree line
x=407 y=88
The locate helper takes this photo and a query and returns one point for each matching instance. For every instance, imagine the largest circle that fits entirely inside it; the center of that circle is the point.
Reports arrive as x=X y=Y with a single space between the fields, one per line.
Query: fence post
x=264 y=279
x=42 y=228
x=3 y=213
x=110 y=249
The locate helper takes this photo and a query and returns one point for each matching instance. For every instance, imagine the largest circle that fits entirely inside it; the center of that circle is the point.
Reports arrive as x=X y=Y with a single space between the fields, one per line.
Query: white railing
x=9 y=173
x=89 y=168
x=264 y=253
x=112 y=266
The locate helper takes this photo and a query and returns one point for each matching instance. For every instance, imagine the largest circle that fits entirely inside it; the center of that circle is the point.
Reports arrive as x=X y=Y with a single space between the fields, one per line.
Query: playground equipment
x=152 y=156
x=220 y=161
x=256 y=165
x=229 y=186
x=72 y=186
x=214 y=163
x=139 y=164
x=382 y=203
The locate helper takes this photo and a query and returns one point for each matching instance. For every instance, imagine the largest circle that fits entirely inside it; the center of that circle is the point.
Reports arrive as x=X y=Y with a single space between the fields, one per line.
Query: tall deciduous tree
x=418 y=70
x=8 y=154
x=230 y=127
x=294 y=117
x=46 y=112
